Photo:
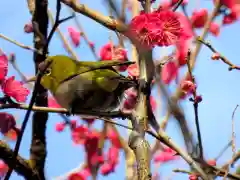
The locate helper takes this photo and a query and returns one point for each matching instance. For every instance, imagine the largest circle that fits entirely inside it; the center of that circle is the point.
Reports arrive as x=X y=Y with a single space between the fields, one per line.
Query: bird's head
x=56 y=69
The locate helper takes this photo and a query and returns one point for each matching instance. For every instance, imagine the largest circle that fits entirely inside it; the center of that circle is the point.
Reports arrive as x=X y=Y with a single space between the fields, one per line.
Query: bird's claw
x=70 y=112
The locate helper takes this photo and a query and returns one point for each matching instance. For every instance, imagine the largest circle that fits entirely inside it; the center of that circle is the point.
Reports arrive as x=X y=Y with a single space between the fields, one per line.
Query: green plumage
x=85 y=85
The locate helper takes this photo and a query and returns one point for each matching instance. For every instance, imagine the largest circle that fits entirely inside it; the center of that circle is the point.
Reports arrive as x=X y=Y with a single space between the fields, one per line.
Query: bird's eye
x=47 y=72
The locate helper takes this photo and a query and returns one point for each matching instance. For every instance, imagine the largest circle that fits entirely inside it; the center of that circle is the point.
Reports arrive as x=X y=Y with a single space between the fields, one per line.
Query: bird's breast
x=81 y=94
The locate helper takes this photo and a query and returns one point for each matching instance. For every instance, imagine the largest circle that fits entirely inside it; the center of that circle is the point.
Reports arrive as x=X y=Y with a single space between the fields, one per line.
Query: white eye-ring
x=47 y=72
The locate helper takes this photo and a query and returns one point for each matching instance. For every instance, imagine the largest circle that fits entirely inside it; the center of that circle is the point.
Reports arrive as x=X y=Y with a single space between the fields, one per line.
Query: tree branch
x=22 y=167
x=38 y=145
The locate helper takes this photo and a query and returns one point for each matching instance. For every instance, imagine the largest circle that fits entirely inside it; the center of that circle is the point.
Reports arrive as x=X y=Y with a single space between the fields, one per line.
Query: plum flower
x=166 y=155
x=74 y=35
x=113 y=137
x=106 y=52
x=3 y=66
x=133 y=70
x=188 y=86
x=107 y=168
x=169 y=72
x=3 y=168
x=113 y=155
x=182 y=47
x=79 y=134
x=15 y=89
x=161 y=28
x=153 y=103
x=109 y=52
x=214 y=28
x=167 y=29
x=212 y=162
x=82 y=175
x=7 y=122
x=130 y=101
x=215 y=56
x=12 y=134
x=28 y=28
x=60 y=126
x=53 y=103
x=91 y=147
x=199 y=17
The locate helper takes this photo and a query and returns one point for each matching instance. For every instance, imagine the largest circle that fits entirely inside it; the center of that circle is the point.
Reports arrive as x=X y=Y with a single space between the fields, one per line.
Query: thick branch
x=98 y=17
x=22 y=167
x=38 y=145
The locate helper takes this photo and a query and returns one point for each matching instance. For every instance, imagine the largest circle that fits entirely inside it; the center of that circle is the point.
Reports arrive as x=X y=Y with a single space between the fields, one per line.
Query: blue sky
x=218 y=86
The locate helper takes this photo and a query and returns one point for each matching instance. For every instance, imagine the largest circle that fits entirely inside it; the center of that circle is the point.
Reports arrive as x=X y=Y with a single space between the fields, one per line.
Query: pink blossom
x=113 y=137
x=214 y=29
x=12 y=134
x=73 y=123
x=79 y=134
x=109 y=52
x=212 y=162
x=91 y=147
x=216 y=56
x=7 y=122
x=169 y=72
x=164 y=157
x=198 y=99
x=3 y=66
x=182 y=48
x=91 y=44
x=153 y=103
x=113 y=155
x=106 y=52
x=199 y=17
x=74 y=35
x=188 y=86
x=193 y=177
x=60 y=126
x=52 y=103
x=28 y=28
x=15 y=89
x=106 y=168
x=133 y=70
x=161 y=28
x=131 y=99
x=3 y=168
x=82 y=175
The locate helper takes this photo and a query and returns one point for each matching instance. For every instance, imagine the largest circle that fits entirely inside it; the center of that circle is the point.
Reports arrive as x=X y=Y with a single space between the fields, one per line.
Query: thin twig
x=19 y=44
x=195 y=105
x=233 y=132
x=177 y=5
x=215 y=169
x=163 y=137
x=231 y=162
x=223 y=58
x=92 y=48
x=223 y=150
x=66 y=45
x=113 y=114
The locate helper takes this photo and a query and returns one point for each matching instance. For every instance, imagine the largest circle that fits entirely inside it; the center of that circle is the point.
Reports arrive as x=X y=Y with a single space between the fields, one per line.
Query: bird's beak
x=32 y=79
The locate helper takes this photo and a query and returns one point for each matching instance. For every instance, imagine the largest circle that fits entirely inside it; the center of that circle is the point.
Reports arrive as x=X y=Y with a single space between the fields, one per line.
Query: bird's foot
x=70 y=112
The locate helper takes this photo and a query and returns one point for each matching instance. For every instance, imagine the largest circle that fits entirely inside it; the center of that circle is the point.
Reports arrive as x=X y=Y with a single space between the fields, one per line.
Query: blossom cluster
x=13 y=89
x=10 y=88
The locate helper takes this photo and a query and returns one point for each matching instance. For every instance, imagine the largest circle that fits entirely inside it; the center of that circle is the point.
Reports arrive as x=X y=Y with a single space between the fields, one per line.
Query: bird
x=85 y=85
